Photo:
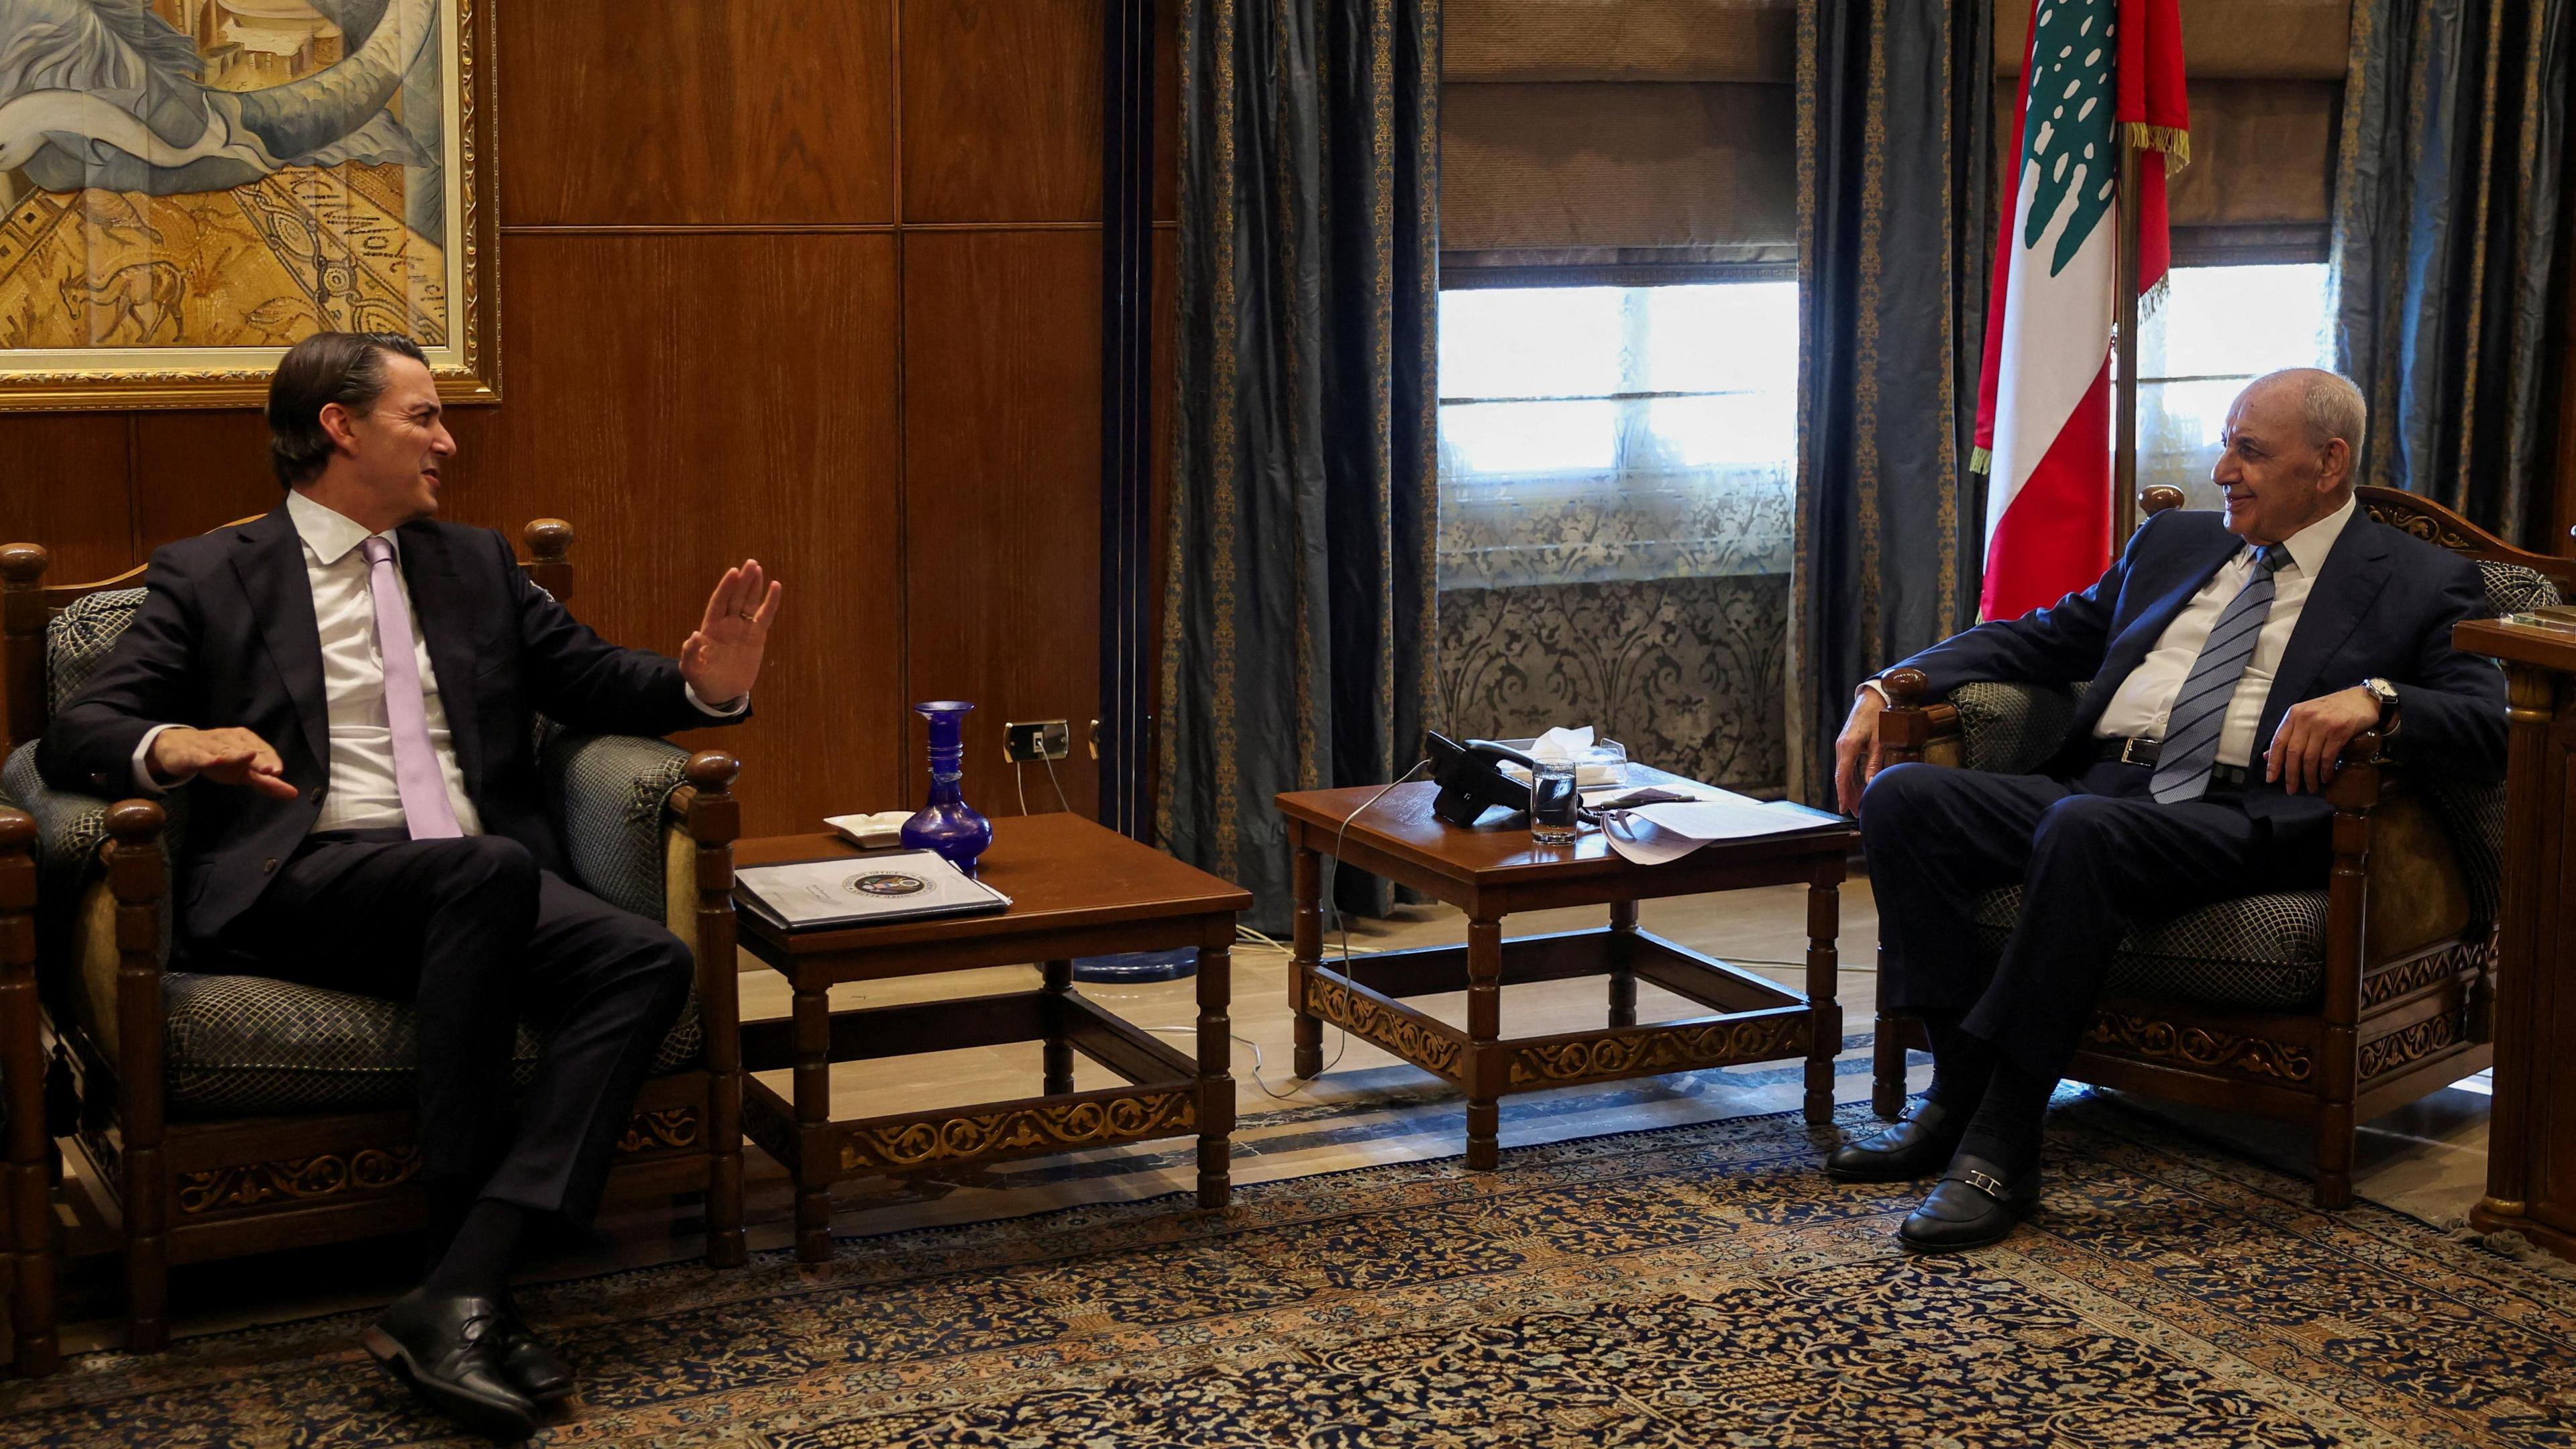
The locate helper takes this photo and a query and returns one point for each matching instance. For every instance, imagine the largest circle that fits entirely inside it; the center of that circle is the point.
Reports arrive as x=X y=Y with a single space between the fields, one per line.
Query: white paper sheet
x=1639 y=842
x=1654 y=834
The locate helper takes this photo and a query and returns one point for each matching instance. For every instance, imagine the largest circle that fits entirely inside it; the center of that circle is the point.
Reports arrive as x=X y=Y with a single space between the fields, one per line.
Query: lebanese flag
x=2099 y=74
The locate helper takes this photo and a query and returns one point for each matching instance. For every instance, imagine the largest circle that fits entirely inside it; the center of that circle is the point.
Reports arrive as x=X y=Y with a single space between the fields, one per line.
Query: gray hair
x=2329 y=403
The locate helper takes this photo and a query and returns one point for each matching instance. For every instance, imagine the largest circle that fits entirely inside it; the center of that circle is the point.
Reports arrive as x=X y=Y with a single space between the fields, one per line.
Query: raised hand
x=227 y=756
x=722 y=658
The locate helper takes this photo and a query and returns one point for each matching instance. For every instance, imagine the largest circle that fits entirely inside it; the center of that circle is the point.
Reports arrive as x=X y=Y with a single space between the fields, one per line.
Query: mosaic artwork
x=1699 y=1285
x=188 y=187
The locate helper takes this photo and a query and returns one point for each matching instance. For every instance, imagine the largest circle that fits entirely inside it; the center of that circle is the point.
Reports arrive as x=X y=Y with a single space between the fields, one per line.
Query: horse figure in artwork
x=146 y=294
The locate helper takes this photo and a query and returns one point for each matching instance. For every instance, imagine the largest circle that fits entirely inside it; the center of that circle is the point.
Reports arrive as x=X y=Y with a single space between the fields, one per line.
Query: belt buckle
x=2129 y=750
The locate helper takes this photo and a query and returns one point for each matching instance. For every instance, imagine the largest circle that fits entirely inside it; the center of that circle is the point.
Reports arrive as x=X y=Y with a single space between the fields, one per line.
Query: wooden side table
x=2531 y=1137
x=1077 y=890
x=1494 y=870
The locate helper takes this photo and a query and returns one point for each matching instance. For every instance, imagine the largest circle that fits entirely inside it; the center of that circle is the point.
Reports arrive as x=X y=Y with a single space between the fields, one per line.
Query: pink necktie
x=416 y=772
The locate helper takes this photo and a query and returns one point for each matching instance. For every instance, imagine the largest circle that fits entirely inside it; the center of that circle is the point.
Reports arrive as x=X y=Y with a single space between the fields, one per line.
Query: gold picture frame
x=163 y=254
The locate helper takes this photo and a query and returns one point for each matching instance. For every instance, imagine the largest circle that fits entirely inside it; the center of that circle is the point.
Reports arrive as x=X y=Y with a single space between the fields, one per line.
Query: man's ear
x=341 y=424
x=2334 y=465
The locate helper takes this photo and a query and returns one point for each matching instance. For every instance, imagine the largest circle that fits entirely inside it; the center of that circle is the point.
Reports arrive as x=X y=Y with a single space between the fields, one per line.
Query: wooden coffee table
x=1494 y=870
x=1076 y=890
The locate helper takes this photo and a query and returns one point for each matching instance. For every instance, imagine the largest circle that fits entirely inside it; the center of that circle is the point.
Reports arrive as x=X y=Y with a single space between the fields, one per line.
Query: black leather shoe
x=528 y=1363
x=448 y=1350
x=1972 y=1205
x=1916 y=1146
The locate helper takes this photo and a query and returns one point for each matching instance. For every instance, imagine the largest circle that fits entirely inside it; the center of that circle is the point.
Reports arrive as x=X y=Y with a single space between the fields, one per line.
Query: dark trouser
x=477 y=937
x=2096 y=858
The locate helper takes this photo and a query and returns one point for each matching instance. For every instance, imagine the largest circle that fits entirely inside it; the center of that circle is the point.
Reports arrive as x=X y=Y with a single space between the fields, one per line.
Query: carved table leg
x=1216 y=1075
x=815 y=1160
x=1623 y=979
x=1825 y=1023
x=1059 y=1051
x=1484 y=1027
x=1307 y=941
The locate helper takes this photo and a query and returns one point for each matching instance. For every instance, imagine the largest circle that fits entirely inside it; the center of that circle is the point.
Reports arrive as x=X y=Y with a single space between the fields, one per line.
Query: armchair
x=2327 y=1007
x=212 y=1116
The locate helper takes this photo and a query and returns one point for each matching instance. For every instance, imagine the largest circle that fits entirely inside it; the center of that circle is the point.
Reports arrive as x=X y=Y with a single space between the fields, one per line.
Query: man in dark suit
x=2230 y=658
x=353 y=687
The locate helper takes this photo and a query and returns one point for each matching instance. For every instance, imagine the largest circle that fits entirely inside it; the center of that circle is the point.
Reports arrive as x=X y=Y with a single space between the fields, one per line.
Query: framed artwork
x=188 y=187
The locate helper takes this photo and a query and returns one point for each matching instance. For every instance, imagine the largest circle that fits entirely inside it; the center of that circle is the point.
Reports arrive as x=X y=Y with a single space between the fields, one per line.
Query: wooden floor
x=2429 y=1159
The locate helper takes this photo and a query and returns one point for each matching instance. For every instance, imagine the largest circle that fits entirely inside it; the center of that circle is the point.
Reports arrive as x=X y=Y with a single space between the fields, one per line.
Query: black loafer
x=1917 y=1145
x=448 y=1350
x=1972 y=1205
x=528 y=1363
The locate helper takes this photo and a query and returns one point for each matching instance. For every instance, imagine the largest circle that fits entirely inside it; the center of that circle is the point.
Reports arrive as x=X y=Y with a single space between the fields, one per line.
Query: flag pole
x=2124 y=387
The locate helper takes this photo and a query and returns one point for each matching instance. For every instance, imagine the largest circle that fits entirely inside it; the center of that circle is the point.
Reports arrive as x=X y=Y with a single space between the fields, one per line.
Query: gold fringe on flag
x=2174 y=141
x=2152 y=300
x=1982 y=460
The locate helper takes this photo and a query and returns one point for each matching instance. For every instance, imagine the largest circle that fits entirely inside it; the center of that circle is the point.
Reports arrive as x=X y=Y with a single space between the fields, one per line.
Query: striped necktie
x=2199 y=712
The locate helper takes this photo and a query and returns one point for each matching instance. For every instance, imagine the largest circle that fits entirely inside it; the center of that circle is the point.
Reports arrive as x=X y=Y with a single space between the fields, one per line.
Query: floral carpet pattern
x=1700 y=1285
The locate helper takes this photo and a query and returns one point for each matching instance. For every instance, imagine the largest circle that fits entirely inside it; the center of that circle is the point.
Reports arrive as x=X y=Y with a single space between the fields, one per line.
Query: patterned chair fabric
x=247 y=1045
x=78 y=640
x=2266 y=951
x=2263 y=951
x=239 y=1046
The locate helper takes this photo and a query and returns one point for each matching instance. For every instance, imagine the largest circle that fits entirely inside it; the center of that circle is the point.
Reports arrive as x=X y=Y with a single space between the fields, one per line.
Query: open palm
x=722 y=658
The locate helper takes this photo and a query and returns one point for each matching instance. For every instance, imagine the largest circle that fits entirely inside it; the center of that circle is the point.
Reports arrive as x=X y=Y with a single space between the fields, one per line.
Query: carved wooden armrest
x=134 y=858
x=1909 y=725
x=18 y=953
x=701 y=821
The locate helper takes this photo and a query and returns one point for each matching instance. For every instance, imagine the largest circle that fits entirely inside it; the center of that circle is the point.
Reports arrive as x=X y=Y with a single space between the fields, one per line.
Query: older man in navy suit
x=352 y=687
x=2231 y=657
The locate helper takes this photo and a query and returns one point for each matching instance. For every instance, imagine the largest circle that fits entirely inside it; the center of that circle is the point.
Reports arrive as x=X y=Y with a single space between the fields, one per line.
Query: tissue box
x=1603 y=763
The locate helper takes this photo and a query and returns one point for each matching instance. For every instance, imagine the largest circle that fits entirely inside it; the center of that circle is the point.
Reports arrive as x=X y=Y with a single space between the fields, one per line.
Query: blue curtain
x=1894 y=147
x=2445 y=240
x=1299 y=582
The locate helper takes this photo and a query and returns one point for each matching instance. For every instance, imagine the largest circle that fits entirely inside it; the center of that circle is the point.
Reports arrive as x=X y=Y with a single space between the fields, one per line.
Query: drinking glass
x=1553 y=801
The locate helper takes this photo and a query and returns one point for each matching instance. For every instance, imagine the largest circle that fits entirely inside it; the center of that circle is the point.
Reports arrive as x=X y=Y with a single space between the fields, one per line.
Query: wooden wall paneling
x=697 y=112
x=689 y=400
x=1001 y=110
x=199 y=470
x=63 y=485
x=1002 y=481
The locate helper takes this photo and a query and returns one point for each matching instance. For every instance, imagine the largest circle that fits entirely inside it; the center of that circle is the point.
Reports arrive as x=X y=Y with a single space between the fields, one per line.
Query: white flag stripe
x=2057 y=331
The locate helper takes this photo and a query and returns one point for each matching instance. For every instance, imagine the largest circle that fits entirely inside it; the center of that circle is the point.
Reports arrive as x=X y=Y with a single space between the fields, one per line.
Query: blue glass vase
x=947 y=824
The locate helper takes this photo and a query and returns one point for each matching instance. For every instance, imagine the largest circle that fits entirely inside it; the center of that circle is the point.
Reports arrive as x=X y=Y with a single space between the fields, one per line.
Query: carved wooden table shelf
x=1076 y=890
x=1494 y=870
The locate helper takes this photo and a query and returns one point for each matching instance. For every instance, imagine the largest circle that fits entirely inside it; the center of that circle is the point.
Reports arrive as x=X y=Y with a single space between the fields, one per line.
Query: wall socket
x=1045 y=739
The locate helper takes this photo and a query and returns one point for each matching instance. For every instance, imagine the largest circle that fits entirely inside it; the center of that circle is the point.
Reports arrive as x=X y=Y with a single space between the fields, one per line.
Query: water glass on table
x=1553 y=802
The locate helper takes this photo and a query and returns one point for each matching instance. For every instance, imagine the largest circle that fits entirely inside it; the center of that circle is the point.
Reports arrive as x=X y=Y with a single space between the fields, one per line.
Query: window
x=2218 y=329
x=1590 y=434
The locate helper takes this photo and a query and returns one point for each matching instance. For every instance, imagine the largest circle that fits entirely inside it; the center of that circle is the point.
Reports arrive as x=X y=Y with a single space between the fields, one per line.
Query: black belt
x=2145 y=752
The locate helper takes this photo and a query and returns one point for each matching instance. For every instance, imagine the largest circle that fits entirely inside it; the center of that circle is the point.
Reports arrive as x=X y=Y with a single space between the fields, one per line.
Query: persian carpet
x=1697 y=1285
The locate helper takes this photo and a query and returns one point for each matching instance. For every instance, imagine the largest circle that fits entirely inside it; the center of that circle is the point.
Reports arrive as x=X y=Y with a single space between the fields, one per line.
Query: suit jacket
x=226 y=637
x=2383 y=606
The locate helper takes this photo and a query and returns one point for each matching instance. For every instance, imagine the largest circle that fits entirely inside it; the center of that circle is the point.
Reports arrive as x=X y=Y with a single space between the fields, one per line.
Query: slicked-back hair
x=347 y=368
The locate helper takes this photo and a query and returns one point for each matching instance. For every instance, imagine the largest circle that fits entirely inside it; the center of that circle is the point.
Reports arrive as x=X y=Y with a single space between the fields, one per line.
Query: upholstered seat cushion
x=240 y=1046
x=2265 y=952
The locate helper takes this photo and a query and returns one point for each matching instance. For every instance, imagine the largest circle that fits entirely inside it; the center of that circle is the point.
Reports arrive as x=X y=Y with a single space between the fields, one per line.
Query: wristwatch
x=2386 y=693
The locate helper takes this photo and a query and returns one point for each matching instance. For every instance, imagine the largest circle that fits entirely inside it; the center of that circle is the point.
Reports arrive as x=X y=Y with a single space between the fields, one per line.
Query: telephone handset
x=1471 y=779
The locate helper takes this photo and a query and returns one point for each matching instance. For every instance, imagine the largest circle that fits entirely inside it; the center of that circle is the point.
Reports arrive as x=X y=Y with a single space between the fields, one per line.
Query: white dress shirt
x=2144 y=700
x=361 y=794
